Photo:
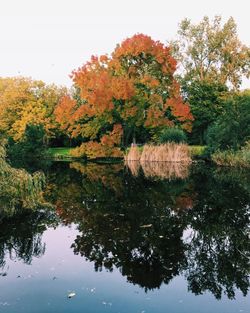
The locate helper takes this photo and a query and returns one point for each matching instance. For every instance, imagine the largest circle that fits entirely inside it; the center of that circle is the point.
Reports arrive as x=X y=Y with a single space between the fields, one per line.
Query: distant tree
x=211 y=52
x=212 y=62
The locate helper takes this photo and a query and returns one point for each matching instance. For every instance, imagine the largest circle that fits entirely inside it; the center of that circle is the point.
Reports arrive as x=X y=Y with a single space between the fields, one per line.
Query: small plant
x=174 y=134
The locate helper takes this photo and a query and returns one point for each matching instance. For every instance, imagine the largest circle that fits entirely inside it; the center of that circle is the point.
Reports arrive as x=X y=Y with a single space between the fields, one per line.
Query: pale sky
x=47 y=39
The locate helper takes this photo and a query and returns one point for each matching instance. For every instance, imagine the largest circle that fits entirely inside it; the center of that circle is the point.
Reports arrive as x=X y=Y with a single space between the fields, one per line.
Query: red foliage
x=129 y=86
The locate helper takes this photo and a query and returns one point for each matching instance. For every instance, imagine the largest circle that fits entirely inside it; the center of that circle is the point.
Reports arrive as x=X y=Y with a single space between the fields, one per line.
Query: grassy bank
x=64 y=153
x=61 y=153
x=240 y=158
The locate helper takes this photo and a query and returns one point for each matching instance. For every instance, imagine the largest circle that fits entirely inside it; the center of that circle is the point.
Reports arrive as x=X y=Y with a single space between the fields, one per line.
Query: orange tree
x=130 y=94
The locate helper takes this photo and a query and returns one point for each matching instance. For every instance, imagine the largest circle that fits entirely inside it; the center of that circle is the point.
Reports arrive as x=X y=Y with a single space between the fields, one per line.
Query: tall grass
x=167 y=161
x=169 y=152
x=240 y=158
x=134 y=154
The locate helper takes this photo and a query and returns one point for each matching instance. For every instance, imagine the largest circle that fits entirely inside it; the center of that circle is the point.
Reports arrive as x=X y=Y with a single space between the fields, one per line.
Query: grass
x=240 y=158
x=59 y=153
x=170 y=152
x=197 y=151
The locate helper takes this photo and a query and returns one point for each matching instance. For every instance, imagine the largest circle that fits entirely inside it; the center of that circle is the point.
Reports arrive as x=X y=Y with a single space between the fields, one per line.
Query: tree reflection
x=137 y=225
x=20 y=235
x=218 y=254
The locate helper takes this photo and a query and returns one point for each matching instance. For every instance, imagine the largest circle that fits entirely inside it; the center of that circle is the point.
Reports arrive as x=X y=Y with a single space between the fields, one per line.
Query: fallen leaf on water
x=71 y=294
x=146 y=226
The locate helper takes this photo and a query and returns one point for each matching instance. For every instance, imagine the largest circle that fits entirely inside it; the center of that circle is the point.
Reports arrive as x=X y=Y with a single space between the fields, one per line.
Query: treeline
x=143 y=92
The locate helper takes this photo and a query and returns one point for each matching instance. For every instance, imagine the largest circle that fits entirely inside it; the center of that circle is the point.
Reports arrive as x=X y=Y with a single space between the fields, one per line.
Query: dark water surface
x=151 y=239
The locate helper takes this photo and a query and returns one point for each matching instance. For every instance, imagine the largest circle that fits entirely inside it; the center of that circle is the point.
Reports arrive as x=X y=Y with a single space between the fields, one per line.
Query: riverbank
x=64 y=154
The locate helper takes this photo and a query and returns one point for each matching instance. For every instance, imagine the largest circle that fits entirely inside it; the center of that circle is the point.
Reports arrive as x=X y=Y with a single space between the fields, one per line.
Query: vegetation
x=239 y=158
x=19 y=189
x=125 y=97
x=24 y=101
x=170 y=152
x=175 y=135
x=211 y=52
x=60 y=153
x=197 y=151
x=232 y=129
x=213 y=62
x=30 y=150
x=137 y=94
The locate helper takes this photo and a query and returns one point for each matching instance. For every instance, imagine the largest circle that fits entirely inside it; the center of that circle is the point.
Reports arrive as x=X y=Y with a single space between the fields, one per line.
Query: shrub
x=174 y=134
x=240 y=158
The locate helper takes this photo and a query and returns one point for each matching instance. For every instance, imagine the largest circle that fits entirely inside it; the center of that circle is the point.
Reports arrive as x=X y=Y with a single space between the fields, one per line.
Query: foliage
x=196 y=151
x=210 y=51
x=59 y=153
x=232 y=129
x=207 y=101
x=172 y=134
x=24 y=101
x=127 y=95
x=31 y=149
x=240 y=158
x=18 y=189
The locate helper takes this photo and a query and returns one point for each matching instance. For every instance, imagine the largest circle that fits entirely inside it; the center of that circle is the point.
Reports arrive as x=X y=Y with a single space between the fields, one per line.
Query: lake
x=148 y=238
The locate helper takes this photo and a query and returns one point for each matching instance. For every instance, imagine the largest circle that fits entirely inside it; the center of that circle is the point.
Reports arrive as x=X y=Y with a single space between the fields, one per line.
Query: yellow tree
x=24 y=101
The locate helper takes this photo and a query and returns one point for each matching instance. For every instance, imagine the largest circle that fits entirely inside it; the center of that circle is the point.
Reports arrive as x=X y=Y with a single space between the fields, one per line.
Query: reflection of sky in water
x=43 y=287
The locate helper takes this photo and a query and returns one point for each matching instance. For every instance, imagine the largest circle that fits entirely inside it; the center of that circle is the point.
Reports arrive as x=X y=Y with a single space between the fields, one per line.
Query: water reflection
x=18 y=189
x=21 y=236
x=140 y=225
x=159 y=170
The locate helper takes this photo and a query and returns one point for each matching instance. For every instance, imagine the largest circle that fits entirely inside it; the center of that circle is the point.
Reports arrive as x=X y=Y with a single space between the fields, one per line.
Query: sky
x=47 y=39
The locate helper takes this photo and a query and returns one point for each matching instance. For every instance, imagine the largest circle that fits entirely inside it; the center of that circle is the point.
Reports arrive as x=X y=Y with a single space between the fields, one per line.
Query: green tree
x=207 y=101
x=232 y=129
x=210 y=51
x=31 y=149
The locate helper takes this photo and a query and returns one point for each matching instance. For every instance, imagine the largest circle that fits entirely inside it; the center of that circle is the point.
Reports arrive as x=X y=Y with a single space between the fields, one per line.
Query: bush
x=30 y=150
x=240 y=158
x=175 y=135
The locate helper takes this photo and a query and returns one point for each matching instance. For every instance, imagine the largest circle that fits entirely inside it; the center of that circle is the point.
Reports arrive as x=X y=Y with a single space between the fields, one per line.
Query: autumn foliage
x=23 y=102
x=118 y=97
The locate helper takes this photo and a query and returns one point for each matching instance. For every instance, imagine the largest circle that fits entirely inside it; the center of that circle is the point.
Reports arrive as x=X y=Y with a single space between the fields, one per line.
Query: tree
x=130 y=94
x=24 y=101
x=211 y=52
x=232 y=129
x=30 y=151
x=207 y=102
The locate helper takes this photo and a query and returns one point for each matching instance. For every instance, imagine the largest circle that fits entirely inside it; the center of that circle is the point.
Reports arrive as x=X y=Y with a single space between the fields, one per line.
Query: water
x=130 y=239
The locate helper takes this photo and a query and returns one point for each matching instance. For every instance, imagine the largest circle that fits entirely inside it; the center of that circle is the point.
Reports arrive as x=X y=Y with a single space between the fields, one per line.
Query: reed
x=169 y=152
x=134 y=167
x=134 y=154
x=167 y=161
x=240 y=158
x=165 y=170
